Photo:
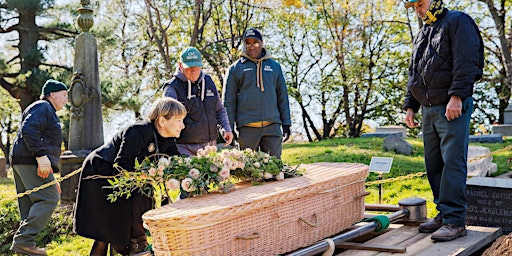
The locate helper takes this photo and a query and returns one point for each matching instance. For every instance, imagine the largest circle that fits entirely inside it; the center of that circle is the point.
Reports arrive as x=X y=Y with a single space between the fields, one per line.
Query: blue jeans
x=446 y=150
x=35 y=208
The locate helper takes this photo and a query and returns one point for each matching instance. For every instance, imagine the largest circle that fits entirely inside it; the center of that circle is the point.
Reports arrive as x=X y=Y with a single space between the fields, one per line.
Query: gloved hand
x=286 y=132
x=44 y=166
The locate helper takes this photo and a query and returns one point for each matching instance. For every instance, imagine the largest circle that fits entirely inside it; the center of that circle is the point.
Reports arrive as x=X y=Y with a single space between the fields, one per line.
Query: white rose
x=173 y=184
x=257 y=165
x=152 y=171
x=163 y=162
x=280 y=176
x=267 y=175
x=186 y=184
x=194 y=173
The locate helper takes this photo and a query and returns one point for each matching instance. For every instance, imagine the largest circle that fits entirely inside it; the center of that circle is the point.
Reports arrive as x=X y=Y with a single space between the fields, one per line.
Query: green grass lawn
x=359 y=150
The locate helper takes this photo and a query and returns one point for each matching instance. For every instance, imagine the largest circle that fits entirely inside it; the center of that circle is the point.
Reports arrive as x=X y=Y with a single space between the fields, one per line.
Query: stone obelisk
x=86 y=122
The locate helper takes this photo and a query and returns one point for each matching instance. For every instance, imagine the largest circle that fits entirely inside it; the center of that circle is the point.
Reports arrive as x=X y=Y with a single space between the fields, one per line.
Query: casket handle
x=309 y=223
x=365 y=193
x=252 y=236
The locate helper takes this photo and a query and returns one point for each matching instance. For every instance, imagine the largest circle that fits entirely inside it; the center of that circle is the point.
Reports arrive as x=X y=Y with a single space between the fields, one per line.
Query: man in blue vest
x=197 y=91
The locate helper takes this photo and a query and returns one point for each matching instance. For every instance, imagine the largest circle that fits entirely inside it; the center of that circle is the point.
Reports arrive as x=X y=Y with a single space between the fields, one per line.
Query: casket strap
x=312 y=224
x=252 y=236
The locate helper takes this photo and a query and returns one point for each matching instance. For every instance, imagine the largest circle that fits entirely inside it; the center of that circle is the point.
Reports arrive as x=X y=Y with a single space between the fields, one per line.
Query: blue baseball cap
x=410 y=3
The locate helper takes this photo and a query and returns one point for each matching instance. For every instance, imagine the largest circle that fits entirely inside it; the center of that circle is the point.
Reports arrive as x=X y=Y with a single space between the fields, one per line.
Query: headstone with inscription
x=489 y=203
x=3 y=167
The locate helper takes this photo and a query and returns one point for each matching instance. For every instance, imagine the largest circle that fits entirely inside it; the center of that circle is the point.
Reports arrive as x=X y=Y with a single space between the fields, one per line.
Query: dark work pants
x=446 y=148
x=267 y=139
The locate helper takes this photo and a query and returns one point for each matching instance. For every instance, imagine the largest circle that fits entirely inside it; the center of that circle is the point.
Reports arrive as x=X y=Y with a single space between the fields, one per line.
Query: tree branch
x=57 y=66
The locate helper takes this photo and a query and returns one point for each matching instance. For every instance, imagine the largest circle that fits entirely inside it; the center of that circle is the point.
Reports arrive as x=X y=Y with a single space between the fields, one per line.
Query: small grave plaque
x=488 y=201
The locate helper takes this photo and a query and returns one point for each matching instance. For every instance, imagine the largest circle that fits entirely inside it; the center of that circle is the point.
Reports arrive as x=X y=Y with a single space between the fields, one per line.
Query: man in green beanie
x=34 y=157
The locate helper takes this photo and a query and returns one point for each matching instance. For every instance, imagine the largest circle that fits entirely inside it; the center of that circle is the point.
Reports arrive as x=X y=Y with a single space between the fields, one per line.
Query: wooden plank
x=371 y=247
x=421 y=244
x=477 y=238
x=392 y=237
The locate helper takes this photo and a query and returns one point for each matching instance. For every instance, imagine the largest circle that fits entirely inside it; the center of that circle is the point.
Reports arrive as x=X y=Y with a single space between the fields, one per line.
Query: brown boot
x=28 y=250
x=449 y=232
x=431 y=225
x=138 y=245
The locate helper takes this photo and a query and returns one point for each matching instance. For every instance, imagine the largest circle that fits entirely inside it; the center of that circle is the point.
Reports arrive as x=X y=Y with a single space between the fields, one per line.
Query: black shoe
x=449 y=232
x=431 y=225
x=28 y=250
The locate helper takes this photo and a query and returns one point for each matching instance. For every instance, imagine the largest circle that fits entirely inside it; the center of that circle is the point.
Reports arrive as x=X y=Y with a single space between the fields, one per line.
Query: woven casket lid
x=208 y=209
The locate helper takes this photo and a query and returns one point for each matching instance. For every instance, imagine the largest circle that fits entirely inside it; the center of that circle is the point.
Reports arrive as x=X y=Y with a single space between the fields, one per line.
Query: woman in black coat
x=120 y=223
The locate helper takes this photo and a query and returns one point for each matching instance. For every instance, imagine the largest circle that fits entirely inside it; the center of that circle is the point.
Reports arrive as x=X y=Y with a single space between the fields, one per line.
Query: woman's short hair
x=166 y=107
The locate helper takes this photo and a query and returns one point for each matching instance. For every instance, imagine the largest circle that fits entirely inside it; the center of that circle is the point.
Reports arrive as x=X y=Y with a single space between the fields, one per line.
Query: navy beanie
x=253 y=33
x=53 y=86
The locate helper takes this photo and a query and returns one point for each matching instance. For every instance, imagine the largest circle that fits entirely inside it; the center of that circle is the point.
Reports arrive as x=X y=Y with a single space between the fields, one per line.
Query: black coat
x=95 y=216
x=40 y=134
x=447 y=59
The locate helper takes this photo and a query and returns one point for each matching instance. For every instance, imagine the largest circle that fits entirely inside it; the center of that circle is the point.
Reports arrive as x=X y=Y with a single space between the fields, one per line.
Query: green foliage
x=9 y=221
x=211 y=169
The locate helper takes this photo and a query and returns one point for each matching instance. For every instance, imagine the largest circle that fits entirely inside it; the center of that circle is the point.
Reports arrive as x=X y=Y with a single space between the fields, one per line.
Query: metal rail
x=365 y=229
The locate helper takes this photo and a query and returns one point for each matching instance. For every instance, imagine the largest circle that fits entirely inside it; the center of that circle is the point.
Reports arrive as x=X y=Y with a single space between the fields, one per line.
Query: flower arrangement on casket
x=210 y=170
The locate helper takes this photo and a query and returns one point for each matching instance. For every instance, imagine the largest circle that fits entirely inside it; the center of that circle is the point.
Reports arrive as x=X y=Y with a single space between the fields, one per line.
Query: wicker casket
x=273 y=218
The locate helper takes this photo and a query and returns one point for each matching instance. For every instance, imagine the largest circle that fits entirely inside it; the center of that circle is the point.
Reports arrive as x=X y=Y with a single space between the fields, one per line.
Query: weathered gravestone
x=3 y=167
x=506 y=128
x=392 y=128
x=489 y=203
x=398 y=145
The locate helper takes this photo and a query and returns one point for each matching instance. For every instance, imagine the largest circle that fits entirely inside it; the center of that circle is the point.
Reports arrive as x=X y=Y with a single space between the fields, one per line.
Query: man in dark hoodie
x=197 y=91
x=256 y=98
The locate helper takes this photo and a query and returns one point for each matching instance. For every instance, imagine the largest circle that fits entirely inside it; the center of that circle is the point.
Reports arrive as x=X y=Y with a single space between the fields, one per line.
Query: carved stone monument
x=86 y=124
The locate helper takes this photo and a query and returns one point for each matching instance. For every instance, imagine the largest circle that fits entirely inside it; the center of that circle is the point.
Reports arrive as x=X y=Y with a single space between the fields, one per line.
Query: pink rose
x=224 y=173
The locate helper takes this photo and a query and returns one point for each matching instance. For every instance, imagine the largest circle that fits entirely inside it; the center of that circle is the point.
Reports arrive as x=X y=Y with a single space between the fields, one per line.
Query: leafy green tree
x=344 y=62
x=9 y=120
x=23 y=74
x=498 y=66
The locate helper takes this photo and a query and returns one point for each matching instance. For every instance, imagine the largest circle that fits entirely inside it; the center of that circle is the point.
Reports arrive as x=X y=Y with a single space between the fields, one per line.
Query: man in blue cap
x=256 y=98
x=197 y=91
x=447 y=59
x=34 y=157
